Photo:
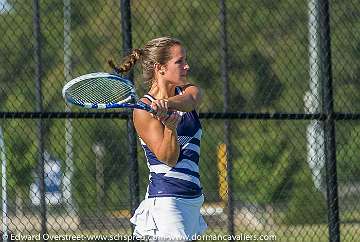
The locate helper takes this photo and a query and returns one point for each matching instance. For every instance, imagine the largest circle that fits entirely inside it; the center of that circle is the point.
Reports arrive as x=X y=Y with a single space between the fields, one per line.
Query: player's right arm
x=161 y=139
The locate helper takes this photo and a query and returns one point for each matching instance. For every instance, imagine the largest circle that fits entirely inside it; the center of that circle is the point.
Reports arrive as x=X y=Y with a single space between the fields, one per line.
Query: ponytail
x=128 y=62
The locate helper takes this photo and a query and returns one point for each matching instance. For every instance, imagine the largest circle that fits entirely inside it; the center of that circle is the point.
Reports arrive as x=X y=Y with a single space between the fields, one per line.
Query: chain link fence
x=272 y=165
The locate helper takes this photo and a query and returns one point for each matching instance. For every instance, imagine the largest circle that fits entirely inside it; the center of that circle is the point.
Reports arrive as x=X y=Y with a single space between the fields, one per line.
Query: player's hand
x=172 y=120
x=160 y=106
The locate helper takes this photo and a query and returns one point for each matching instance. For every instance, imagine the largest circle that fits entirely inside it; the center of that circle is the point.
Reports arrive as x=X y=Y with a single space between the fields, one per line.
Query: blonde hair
x=155 y=51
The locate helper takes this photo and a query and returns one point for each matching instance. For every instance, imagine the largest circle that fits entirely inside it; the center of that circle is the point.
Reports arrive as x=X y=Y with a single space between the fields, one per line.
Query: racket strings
x=101 y=90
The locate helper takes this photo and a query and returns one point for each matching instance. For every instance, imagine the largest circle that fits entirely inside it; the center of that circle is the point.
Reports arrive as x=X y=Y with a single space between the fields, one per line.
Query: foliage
x=267 y=167
x=305 y=196
x=348 y=159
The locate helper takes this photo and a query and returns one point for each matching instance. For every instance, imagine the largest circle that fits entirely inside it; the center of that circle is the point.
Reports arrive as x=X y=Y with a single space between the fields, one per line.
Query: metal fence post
x=39 y=108
x=227 y=139
x=133 y=169
x=329 y=123
x=312 y=100
x=69 y=163
x=4 y=185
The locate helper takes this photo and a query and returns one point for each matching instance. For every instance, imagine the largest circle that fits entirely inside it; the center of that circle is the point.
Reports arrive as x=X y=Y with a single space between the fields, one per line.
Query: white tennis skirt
x=169 y=218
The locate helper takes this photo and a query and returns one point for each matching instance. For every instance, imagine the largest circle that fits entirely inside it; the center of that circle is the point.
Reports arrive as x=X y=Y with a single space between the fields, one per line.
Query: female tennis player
x=171 y=209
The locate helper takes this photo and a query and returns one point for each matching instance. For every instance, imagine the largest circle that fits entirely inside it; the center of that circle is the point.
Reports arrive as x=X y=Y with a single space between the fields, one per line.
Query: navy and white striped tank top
x=183 y=180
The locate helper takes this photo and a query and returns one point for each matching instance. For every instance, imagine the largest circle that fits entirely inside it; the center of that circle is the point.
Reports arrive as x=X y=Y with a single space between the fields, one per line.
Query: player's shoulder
x=194 y=90
x=191 y=88
x=189 y=85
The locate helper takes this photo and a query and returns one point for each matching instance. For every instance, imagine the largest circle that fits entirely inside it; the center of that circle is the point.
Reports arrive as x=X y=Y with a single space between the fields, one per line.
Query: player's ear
x=158 y=68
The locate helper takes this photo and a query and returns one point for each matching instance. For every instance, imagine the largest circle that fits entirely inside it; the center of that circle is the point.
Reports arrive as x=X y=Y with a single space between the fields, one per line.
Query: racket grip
x=149 y=109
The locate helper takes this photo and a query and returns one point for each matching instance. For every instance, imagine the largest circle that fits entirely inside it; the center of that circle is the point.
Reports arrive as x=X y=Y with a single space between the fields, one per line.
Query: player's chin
x=179 y=81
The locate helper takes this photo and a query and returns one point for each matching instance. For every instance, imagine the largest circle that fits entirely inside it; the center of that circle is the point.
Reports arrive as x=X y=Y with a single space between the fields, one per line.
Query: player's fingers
x=156 y=106
x=164 y=103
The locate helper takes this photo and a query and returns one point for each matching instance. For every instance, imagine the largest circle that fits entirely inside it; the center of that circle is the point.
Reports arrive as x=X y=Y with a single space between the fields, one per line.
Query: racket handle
x=149 y=109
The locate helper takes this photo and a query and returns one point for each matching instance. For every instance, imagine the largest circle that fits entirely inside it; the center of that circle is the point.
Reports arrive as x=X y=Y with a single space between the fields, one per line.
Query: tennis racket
x=102 y=90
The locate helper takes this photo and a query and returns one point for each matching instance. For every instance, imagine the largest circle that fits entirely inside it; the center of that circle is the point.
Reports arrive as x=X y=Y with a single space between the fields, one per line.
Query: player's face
x=176 y=69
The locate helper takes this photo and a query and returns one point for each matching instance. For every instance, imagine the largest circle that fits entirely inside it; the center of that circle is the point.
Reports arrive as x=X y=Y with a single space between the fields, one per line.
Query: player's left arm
x=190 y=99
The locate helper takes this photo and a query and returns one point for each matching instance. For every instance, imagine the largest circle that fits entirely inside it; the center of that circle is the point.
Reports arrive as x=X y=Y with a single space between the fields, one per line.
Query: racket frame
x=122 y=104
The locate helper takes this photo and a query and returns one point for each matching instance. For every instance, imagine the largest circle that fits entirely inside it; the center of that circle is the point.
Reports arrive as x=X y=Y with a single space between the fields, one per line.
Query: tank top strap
x=149 y=97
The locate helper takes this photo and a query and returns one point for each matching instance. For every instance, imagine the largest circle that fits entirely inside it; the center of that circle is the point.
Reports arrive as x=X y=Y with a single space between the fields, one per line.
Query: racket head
x=100 y=90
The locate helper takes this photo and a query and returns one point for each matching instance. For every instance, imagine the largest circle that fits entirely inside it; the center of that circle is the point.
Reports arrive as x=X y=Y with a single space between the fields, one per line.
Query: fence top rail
x=214 y=115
